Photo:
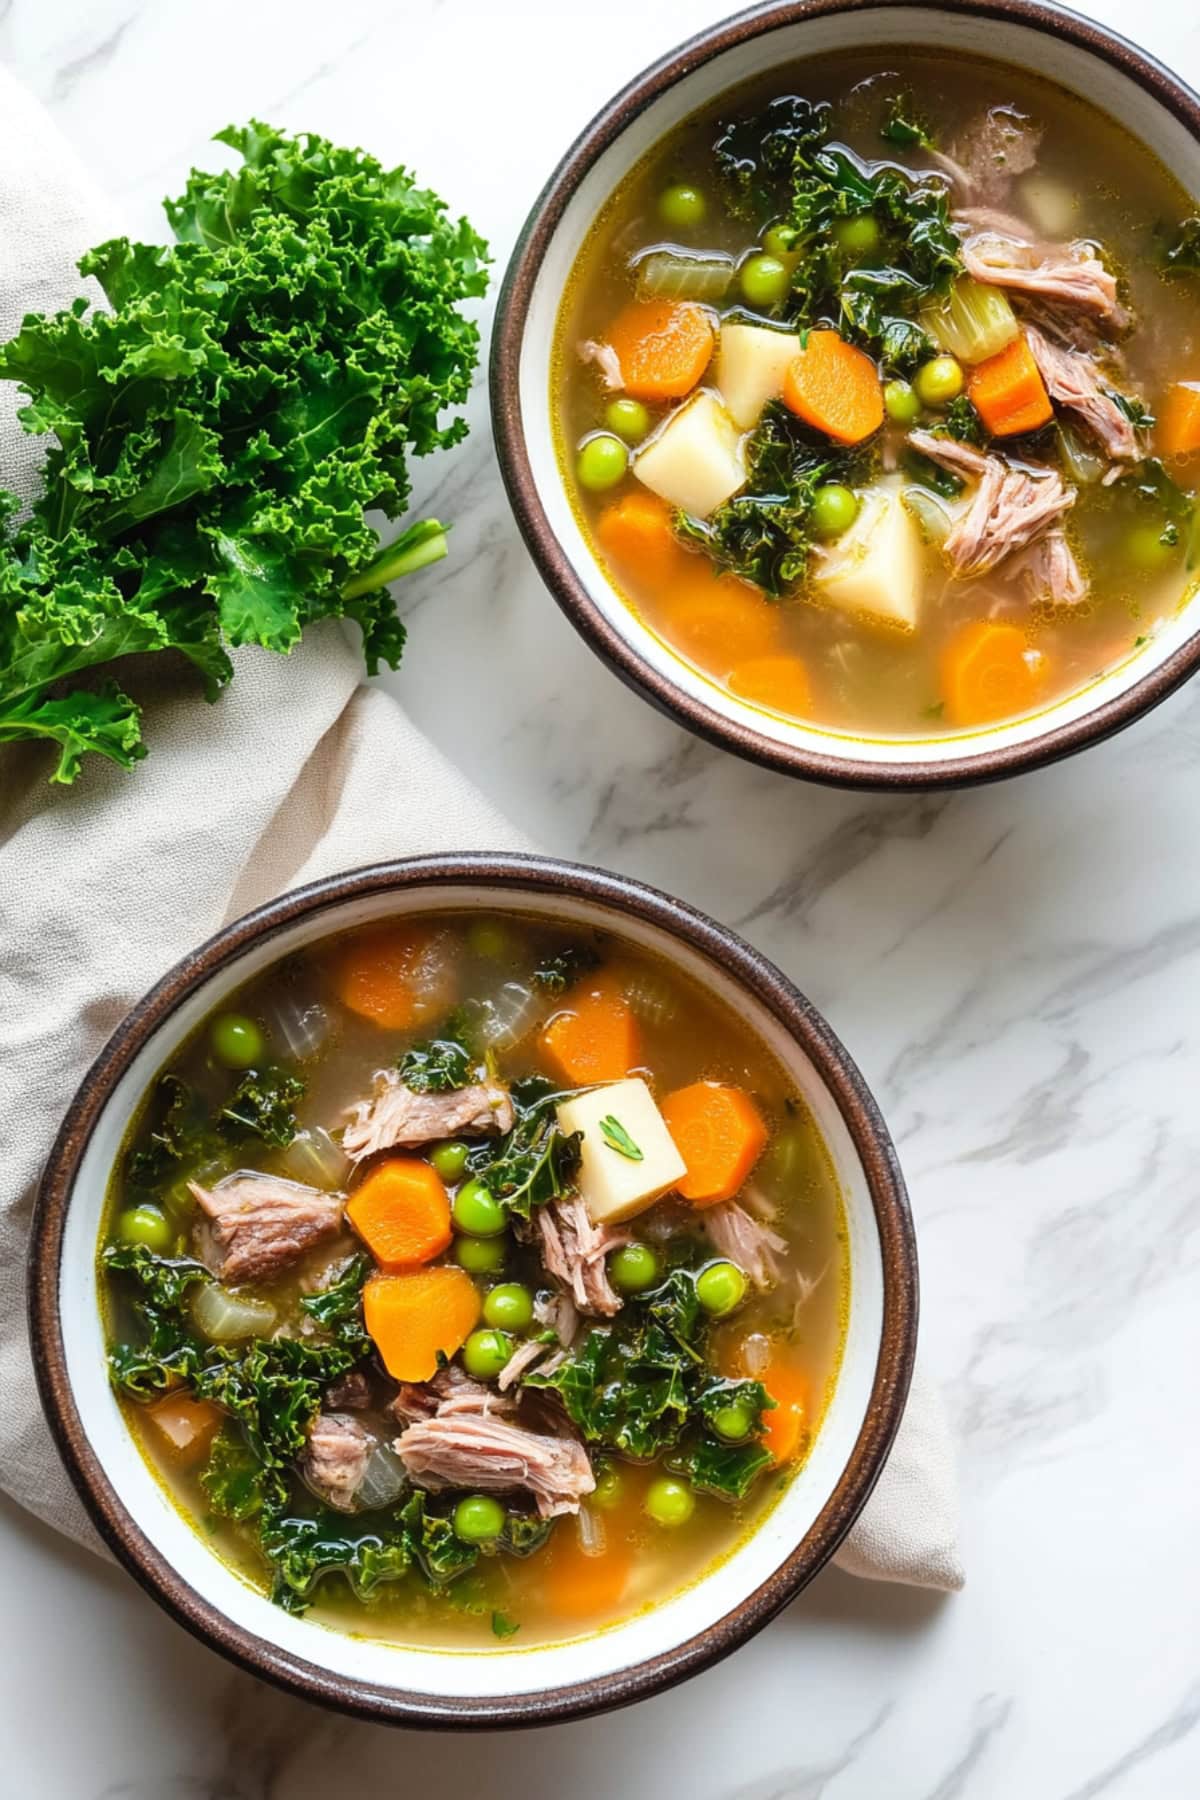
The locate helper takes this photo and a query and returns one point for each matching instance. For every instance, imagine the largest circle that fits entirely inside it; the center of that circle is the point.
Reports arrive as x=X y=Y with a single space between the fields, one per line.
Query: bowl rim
x=555 y=567
x=543 y=878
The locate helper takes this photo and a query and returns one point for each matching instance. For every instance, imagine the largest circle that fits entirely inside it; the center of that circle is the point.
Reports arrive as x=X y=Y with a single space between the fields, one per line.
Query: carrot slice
x=835 y=387
x=635 y=534
x=1008 y=393
x=779 y=683
x=990 y=671
x=594 y=1037
x=186 y=1426
x=663 y=347
x=1178 y=431
x=402 y=1212
x=720 y=1133
x=784 y=1425
x=419 y=1316
x=396 y=975
x=717 y=620
x=579 y=1586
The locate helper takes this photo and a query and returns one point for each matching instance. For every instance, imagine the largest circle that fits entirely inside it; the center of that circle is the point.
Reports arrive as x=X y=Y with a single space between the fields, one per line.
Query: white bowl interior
x=461 y=1673
x=1066 y=64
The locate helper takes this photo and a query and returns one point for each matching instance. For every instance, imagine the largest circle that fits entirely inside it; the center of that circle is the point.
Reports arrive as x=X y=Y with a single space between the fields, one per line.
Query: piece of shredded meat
x=335 y=1458
x=532 y=1351
x=349 y=1393
x=1071 y=274
x=1008 y=509
x=451 y=1390
x=255 y=1224
x=574 y=1252
x=735 y=1233
x=990 y=152
x=476 y=1452
x=606 y=360
x=396 y=1117
x=1073 y=379
x=560 y=1313
x=1049 y=573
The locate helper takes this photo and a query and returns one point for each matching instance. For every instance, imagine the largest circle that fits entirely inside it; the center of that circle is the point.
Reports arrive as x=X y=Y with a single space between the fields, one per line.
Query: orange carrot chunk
x=717 y=620
x=635 y=534
x=1178 y=431
x=990 y=671
x=187 y=1427
x=834 y=387
x=395 y=975
x=1008 y=393
x=720 y=1133
x=785 y=1424
x=402 y=1213
x=663 y=347
x=594 y=1037
x=419 y=1316
x=583 y=1587
x=780 y=683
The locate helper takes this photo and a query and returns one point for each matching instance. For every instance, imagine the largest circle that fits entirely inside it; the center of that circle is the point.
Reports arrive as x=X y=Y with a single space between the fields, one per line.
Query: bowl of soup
x=474 y=1291
x=846 y=384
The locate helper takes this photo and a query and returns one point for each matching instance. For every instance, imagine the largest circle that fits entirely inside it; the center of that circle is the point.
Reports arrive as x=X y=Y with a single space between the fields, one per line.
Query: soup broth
x=467 y=1277
x=877 y=394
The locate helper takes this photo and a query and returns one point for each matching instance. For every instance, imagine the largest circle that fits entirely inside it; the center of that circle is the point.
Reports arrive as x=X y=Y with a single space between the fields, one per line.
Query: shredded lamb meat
x=1049 y=573
x=560 y=1313
x=1073 y=379
x=335 y=1458
x=735 y=1233
x=533 y=1350
x=396 y=1117
x=605 y=359
x=474 y=1451
x=255 y=1224
x=1009 y=508
x=1071 y=274
x=451 y=1390
x=350 y=1393
x=573 y=1251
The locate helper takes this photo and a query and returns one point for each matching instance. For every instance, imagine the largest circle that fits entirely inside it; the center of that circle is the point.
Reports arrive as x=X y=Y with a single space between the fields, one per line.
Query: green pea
x=901 y=403
x=450 y=1160
x=601 y=463
x=481 y=1256
x=939 y=382
x=764 y=280
x=509 y=1306
x=733 y=1422
x=477 y=1211
x=610 y=1488
x=486 y=1352
x=858 y=236
x=634 y=1268
x=1148 y=549
x=489 y=939
x=682 y=206
x=145 y=1225
x=670 y=1502
x=720 y=1288
x=478 y=1519
x=237 y=1041
x=834 y=510
x=780 y=241
x=629 y=419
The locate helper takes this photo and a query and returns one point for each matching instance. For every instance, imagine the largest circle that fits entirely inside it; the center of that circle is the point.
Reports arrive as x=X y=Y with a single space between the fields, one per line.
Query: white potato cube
x=751 y=363
x=614 y=1183
x=695 y=461
x=1051 y=205
x=874 y=571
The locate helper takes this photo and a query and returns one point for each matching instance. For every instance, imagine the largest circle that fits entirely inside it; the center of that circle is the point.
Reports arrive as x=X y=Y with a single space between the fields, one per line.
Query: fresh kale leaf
x=1182 y=250
x=302 y=1551
x=755 y=155
x=559 y=969
x=180 y=1134
x=221 y=427
x=535 y=1161
x=163 y=1281
x=904 y=124
x=263 y=1106
x=503 y=1626
x=963 y=422
x=338 y=1307
x=727 y=1470
x=1139 y=415
x=238 y=1483
x=437 y=1067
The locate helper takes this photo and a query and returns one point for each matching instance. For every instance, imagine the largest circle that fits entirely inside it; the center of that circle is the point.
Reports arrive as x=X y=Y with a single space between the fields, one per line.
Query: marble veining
x=1017 y=970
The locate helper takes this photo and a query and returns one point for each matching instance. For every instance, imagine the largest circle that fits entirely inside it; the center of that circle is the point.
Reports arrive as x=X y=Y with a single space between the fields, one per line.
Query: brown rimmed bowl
x=1078 y=54
x=501 y=1685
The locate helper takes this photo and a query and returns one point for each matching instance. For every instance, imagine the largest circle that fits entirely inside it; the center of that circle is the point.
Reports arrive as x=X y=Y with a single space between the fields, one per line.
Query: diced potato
x=752 y=361
x=614 y=1183
x=695 y=461
x=1052 y=206
x=874 y=571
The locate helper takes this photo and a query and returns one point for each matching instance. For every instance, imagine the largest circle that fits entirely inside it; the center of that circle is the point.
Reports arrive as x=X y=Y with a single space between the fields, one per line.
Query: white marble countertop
x=1016 y=969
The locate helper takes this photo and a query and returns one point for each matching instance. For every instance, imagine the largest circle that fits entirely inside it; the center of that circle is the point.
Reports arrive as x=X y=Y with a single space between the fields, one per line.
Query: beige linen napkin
x=289 y=777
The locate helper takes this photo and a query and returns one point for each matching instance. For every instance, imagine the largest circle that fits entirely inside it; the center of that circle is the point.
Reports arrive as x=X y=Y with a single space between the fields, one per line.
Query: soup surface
x=878 y=392
x=466 y=1277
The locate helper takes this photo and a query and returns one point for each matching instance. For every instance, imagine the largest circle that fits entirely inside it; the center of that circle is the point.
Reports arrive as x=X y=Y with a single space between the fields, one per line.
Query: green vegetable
x=780 y=241
x=509 y=1307
x=633 y=1268
x=903 y=124
x=669 y=1502
x=702 y=275
x=503 y=1626
x=492 y=940
x=601 y=463
x=733 y=1422
x=858 y=237
x=163 y=1282
x=972 y=321
x=478 y=1519
x=834 y=510
x=476 y=1210
x=337 y=1308
x=756 y=154
x=534 y=1161
x=221 y=429
x=237 y=1041
x=145 y=1226
x=438 y=1067
x=764 y=281
x=263 y=1106
x=1181 y=253
x=558 y=969
x=901 y=403
x=720 y=1288
x=610 y=1488
x=486 y=1352
x=450 y=1160
x=939 y=382
x=480 y=1256
x=963 y=422
x=629 y=419
x=682 y=207
x=618 y=1139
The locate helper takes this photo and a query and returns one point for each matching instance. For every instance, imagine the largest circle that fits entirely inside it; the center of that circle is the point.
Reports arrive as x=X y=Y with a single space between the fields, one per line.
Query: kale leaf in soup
x=466 y=1277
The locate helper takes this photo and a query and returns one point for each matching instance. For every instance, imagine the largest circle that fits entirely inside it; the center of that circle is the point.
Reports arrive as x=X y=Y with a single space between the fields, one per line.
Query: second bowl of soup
x=847 y=384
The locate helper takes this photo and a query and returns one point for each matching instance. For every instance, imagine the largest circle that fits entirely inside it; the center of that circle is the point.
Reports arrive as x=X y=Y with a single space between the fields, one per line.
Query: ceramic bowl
x=501 y=1685
x=1078 y=54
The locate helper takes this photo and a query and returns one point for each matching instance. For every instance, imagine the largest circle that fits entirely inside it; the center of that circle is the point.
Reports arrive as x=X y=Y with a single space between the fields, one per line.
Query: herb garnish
x=618 y=1139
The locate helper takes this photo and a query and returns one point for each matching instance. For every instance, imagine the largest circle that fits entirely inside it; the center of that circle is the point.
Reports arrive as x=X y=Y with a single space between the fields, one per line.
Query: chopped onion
x=314 y=1158
x=383 y=1478
x=932 y=516
x=300 y=1028
x=592 y=1536
x=683 y=275
x=225 y=1317
x=651 y=995
x=756 y=1354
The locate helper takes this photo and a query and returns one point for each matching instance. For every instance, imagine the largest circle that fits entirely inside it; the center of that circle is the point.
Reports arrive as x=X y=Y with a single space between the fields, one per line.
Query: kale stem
x=422 y=543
